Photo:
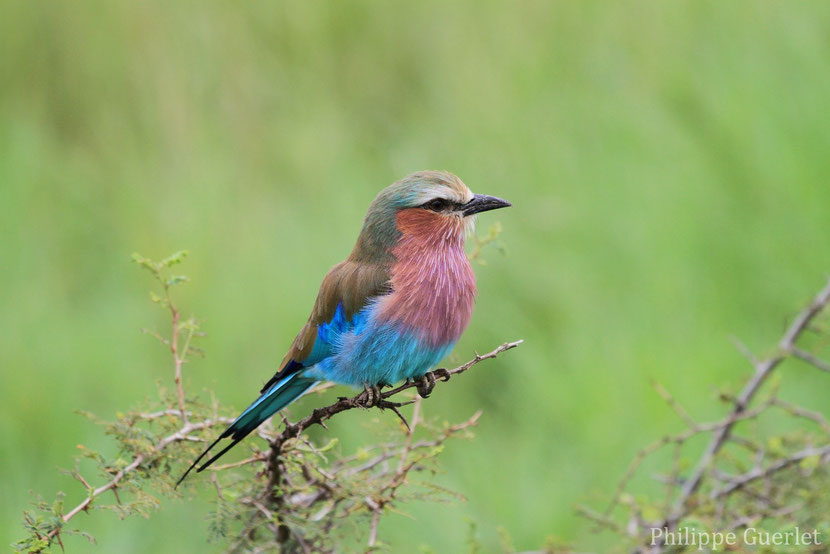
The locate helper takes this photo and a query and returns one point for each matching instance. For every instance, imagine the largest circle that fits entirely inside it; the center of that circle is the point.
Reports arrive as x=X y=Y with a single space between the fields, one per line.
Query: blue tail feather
x=274 y=399
x=277 y=397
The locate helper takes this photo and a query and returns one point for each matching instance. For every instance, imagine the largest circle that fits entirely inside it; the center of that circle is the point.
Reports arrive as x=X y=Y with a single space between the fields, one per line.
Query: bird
x=392 y=310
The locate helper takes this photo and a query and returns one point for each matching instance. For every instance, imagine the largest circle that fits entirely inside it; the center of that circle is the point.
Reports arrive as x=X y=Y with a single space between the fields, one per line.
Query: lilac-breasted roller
x=393 y=309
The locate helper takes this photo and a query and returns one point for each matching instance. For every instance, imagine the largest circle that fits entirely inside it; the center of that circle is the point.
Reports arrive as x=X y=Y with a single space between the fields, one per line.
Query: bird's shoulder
x=346 y=289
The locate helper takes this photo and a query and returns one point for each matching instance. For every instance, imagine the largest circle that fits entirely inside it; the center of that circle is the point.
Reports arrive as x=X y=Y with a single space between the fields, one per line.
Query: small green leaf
x=810 y=463
x=174 y=259
x=176 y=279
x=331 y=444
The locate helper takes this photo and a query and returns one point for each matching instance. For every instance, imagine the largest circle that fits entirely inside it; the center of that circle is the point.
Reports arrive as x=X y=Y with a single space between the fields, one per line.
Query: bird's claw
x=442 y=373
x=371 y=396
x=426 y=384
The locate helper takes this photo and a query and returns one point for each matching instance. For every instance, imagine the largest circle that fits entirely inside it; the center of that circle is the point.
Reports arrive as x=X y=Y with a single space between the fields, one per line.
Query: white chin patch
x=470 y=224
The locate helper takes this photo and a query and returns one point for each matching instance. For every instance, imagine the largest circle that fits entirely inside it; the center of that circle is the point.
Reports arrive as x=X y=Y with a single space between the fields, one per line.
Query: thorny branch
x=759 y=473
x=763 y=369
x=183 y=434
x=686 y=495
x=319 y=485
x=275 y=462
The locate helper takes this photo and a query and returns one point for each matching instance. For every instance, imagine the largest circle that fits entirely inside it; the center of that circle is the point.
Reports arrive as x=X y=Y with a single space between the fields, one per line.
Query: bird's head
x=424 y=203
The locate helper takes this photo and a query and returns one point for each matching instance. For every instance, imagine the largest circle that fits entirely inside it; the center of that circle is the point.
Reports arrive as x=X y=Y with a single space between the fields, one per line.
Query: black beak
x=483 y=203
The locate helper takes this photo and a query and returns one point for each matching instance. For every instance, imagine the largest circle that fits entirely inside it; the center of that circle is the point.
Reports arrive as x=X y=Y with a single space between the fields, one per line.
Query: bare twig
x=398 y=478
x=803 y=413
x=373 y=528
x=159 y=414
x=673 y=404
x=258 y=457
x=603 y=520
x=810 y=359
x=178 y=359
x=758 y=472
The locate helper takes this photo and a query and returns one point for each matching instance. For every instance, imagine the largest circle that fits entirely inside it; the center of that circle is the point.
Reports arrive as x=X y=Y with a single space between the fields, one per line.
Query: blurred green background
x=667 y=162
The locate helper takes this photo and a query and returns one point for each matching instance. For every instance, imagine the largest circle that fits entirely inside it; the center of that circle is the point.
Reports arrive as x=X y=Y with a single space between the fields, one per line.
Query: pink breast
x=433 y=284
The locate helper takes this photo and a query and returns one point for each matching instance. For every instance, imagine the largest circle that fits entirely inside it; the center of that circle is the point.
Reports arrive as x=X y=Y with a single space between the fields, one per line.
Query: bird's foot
x=442 y=373
x=371 y=396
x=426 y=384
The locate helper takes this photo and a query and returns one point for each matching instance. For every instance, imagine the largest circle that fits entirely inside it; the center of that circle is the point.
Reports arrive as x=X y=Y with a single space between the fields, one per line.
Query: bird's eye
x=437 y=205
